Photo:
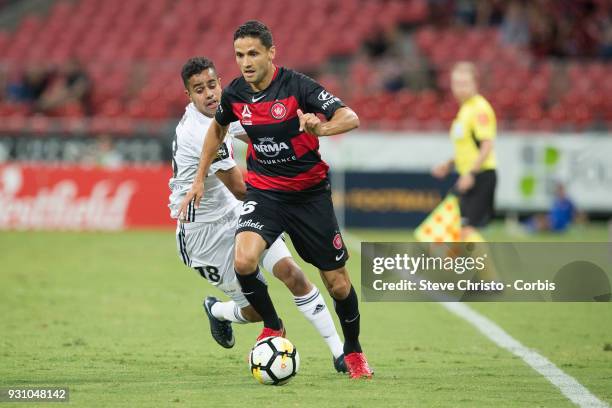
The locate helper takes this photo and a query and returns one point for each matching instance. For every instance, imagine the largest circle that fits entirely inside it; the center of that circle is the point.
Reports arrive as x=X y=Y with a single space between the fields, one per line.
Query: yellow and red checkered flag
x=443 y=224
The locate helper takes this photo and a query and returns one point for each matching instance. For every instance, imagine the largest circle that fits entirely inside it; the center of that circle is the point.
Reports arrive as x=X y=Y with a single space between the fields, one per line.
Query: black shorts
x=310 y=223
x=476 y=204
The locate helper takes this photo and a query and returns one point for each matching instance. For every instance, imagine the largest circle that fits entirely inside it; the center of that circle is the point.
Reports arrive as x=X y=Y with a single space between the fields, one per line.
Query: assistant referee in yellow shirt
x=473 y=133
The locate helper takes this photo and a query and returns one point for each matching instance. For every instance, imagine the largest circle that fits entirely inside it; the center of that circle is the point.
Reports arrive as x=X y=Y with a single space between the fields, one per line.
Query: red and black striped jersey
x=280 y=158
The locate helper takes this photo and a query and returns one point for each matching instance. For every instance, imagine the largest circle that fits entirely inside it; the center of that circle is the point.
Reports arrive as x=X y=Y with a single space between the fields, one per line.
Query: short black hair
x=255 y=29
x=194 y=66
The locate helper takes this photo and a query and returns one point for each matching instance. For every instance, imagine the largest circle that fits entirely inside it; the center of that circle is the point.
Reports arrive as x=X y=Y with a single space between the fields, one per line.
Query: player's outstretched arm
x=212 y=141
x=344 y=120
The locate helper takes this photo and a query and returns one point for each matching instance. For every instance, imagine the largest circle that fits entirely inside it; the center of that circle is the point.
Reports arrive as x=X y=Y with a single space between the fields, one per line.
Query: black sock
x=348 y=313
x=256 y=292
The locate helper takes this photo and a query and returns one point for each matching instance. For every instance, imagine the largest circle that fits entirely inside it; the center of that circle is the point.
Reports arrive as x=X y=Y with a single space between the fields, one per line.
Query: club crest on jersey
x=246 y=115
x=337 y=241
x=269 y=148
x=278 y=110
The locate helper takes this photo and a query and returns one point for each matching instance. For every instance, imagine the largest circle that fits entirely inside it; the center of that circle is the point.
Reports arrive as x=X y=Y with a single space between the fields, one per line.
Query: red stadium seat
x=39 y=124
x=557 y=114
x=14 y=123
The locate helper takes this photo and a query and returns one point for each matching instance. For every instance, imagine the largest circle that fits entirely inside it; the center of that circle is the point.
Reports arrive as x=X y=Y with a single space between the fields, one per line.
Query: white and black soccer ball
x=274 y=361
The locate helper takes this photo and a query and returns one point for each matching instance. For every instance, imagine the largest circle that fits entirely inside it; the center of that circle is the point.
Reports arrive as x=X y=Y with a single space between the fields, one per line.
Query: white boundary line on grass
x=568 y=385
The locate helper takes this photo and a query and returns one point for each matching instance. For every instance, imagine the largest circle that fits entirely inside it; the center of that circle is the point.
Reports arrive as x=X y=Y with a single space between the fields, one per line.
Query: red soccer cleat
x=358 y=365
x=268 y=332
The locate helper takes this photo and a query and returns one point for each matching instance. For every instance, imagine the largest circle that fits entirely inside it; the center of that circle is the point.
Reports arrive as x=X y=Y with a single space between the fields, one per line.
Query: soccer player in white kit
x=205 y=239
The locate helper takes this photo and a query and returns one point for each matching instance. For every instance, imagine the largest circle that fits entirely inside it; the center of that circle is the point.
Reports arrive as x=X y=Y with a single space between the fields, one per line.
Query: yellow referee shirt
x=474 y=122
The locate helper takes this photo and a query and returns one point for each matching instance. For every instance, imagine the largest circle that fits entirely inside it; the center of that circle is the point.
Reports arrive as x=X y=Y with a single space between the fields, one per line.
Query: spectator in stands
x=107 y=155
x=543 y=33
x=380 y=42
x=605 y=49
x=465 y=12
x=565 y=28
x=558 y=28
x=515 y=27
x=582 y=35
x=489 y=12
x=440 y=11
x=29 y=87
x=103 y=153
x=477 y=12
x=71 y=86
x=392 y=74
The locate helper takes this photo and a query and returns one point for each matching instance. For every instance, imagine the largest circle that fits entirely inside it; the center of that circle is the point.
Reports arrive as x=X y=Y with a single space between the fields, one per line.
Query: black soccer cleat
x=221 y=331
x=340 y=364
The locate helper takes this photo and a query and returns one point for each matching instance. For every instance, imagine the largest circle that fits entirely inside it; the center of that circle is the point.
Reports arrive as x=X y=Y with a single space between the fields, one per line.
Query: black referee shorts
x=476 y=204
x=311 y=224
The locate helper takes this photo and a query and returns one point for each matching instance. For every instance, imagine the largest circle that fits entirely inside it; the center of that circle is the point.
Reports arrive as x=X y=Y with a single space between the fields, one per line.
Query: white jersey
x=186 y=151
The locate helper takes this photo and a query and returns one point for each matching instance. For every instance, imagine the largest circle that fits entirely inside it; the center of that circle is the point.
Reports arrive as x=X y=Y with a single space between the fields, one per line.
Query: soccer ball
x=274 y=361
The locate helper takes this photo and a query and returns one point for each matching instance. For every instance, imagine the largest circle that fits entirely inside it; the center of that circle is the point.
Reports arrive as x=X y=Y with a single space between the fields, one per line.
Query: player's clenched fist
x=194 y=195
x=309 y=122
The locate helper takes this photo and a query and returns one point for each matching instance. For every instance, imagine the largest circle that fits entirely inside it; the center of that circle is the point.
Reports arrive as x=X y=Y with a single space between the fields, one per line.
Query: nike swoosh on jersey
x=351 y=320
x=339 y=257
x=257 y=99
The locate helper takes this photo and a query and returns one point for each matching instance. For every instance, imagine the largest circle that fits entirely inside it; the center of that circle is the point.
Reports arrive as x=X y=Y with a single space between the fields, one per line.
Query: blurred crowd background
x=113 y=65
x=90 y=94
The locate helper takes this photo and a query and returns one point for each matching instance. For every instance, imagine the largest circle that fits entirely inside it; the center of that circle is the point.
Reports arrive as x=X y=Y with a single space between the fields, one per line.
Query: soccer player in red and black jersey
x=288 y=188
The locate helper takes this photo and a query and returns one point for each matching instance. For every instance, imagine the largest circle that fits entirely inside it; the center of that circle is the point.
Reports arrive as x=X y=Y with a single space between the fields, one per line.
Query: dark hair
x=255 y=29
x=194 y=66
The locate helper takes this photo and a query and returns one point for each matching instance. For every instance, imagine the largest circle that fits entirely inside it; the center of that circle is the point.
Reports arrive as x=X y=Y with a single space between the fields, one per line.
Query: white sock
x=228 y=311
x=313 y=307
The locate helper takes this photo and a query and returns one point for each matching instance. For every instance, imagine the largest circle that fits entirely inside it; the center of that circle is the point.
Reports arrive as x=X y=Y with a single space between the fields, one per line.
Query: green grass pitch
x=117 y=318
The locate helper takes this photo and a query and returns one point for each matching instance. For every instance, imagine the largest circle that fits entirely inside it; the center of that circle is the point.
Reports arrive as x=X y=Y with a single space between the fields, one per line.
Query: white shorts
x=208 y=247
